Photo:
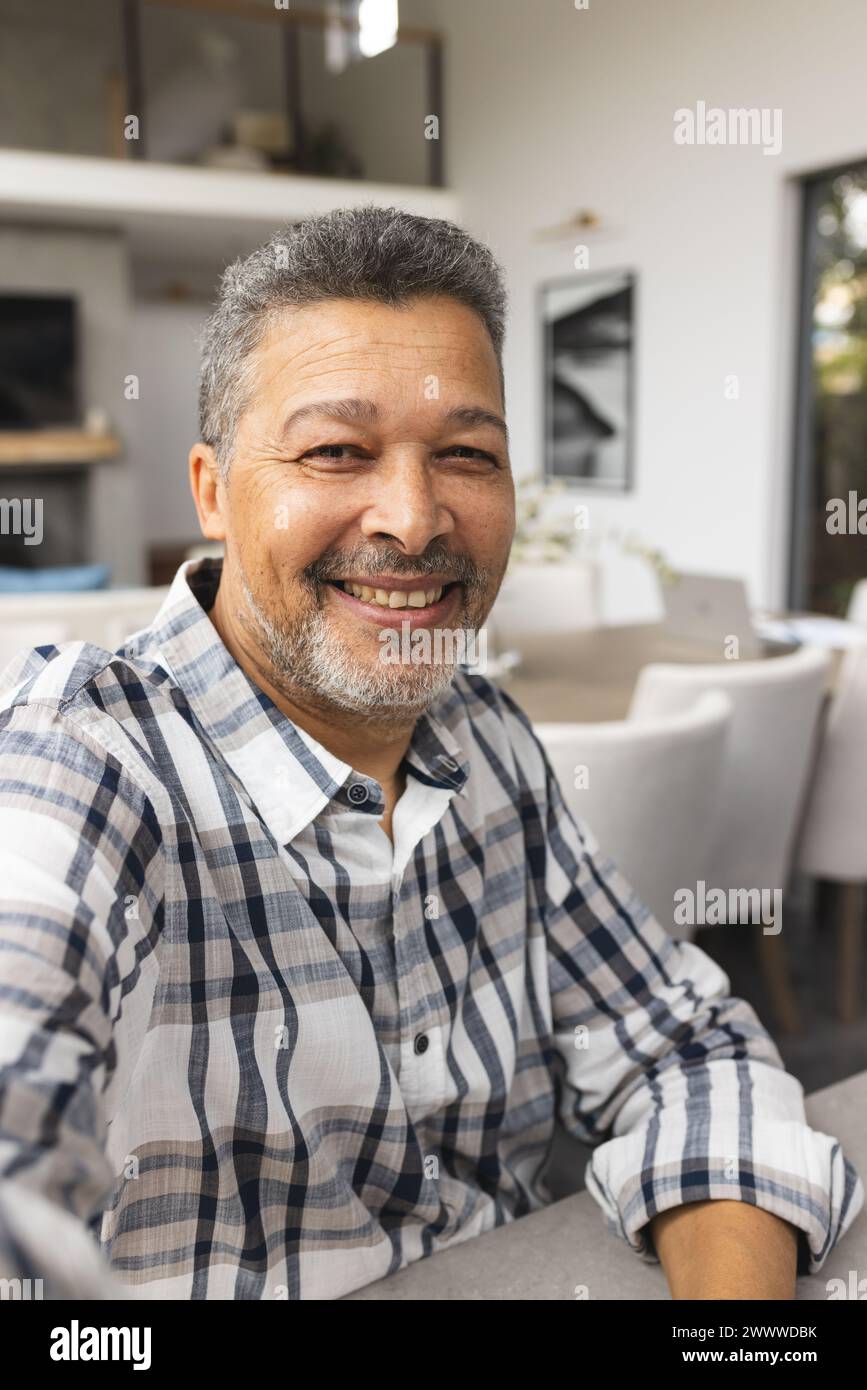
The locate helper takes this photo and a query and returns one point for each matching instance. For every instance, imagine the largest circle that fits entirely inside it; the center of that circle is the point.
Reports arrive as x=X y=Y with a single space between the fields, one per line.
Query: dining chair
x=857 y=610
x=648 y=790
x=833 y=841
x=777 y=703
x=558 y=597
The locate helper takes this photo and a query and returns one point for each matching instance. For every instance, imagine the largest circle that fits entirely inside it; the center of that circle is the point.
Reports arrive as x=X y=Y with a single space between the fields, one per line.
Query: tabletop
x=560 y=1252
x=587 y=676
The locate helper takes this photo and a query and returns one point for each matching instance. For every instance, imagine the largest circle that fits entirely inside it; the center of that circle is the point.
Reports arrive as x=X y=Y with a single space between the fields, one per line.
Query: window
x=828 y=552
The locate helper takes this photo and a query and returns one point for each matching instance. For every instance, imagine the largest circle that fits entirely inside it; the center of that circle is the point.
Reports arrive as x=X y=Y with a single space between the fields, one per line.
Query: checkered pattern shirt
x=251 y=1049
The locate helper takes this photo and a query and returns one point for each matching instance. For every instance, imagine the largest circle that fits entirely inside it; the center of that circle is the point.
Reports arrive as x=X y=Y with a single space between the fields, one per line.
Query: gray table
x=544 y=1256
x=588 y=676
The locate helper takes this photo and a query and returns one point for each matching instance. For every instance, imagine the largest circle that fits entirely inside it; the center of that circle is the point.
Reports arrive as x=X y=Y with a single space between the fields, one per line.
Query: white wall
x=551 y=109
x=166 y=358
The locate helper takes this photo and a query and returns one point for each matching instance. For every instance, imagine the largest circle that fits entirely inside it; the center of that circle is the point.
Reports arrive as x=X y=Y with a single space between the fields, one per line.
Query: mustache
x=374 y=562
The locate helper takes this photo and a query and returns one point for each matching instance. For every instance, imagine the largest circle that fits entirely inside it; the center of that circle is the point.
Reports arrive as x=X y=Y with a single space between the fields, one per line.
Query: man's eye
x=338 y=452
x=464 y=451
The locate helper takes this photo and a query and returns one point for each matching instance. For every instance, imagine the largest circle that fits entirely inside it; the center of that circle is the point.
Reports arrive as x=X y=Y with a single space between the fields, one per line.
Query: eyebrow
x=470 y=415
x=351 y=411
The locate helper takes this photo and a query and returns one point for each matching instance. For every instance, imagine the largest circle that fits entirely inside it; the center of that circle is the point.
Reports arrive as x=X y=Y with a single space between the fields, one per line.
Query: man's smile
x=406 y=600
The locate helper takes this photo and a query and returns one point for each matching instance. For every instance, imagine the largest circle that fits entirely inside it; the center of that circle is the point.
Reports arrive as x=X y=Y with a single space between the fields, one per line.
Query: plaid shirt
x=249 y=1049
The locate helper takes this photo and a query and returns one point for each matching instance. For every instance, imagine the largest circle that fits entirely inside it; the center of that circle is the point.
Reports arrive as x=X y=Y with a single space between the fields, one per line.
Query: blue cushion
x=55 y=579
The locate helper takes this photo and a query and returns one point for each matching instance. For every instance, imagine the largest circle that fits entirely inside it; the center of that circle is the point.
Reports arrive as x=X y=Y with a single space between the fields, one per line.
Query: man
x=304 y=956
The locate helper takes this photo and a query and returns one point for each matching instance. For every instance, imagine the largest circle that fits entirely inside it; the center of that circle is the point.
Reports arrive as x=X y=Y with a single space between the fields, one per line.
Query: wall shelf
x=172 y=209
x=23 y=448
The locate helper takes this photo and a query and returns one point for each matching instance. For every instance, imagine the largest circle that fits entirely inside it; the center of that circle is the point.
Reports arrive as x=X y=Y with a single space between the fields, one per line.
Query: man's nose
x=406 y=509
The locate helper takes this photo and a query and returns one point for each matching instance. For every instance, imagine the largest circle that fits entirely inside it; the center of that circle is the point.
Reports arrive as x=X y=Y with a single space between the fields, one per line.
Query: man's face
x=370 y=487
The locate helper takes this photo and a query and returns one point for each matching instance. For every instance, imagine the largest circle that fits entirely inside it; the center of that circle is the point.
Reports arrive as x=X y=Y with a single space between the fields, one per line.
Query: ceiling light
x=377 y=26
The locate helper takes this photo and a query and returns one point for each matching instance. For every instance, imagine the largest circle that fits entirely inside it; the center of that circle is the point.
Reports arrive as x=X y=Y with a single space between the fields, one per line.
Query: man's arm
x=78 y=844
x=726 y=1249
x=677 y=1087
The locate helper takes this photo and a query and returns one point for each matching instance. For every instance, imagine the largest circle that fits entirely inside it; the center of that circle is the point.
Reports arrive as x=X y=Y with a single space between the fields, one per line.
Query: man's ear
x=209 y=491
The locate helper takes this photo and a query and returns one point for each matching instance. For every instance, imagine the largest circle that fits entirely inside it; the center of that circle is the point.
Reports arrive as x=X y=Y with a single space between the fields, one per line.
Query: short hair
x=367 y=252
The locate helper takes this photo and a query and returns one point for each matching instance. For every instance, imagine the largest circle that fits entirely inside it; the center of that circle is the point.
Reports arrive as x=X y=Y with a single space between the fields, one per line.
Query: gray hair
x=368 y=252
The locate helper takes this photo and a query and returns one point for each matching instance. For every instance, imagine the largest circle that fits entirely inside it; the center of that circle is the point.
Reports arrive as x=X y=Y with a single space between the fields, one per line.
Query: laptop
x=707 y=609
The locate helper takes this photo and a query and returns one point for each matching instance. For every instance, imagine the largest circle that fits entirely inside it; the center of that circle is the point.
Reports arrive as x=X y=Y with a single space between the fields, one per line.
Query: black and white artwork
x=587 y=331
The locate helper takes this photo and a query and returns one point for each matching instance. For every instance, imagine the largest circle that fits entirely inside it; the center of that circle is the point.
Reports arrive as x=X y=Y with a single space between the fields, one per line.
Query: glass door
x=829 y=527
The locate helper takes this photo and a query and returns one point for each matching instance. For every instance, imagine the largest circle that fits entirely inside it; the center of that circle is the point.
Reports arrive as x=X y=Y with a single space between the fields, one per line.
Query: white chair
x=857 y=610
x=558 y=597
x=648 y=790
x=776 y=707
x=777 y=702
x=833 y=843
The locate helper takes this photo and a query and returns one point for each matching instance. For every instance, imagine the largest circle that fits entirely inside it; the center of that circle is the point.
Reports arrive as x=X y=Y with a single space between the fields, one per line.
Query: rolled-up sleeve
x=674 y=1083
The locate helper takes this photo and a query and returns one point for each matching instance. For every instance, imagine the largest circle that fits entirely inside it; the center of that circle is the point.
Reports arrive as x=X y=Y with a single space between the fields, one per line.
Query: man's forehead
x=335 y=328
x=332 y=348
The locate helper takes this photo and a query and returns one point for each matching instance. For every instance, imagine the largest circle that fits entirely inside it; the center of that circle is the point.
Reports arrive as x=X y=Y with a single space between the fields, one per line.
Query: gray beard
x=311 y=657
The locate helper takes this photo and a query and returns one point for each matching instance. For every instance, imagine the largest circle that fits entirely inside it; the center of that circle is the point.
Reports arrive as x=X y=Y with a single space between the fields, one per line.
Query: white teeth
x=394 y=598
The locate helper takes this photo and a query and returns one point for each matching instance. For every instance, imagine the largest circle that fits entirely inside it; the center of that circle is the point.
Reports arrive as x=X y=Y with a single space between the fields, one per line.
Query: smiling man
x=303 y=955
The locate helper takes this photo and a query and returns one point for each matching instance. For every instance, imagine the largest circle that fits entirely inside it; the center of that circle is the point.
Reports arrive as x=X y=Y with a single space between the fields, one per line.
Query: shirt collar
x=289 y=776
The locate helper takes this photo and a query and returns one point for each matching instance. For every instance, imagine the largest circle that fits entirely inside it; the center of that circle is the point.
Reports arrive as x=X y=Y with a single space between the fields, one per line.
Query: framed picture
x=587 y=363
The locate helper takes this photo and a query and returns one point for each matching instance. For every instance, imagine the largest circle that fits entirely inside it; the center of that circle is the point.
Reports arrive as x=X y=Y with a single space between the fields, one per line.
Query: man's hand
x=725 y=1249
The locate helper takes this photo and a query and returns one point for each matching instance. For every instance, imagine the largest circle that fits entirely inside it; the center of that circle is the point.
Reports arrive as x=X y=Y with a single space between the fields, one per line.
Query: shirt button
x=421 y=1043
x=358 y=793
x=448 y=763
